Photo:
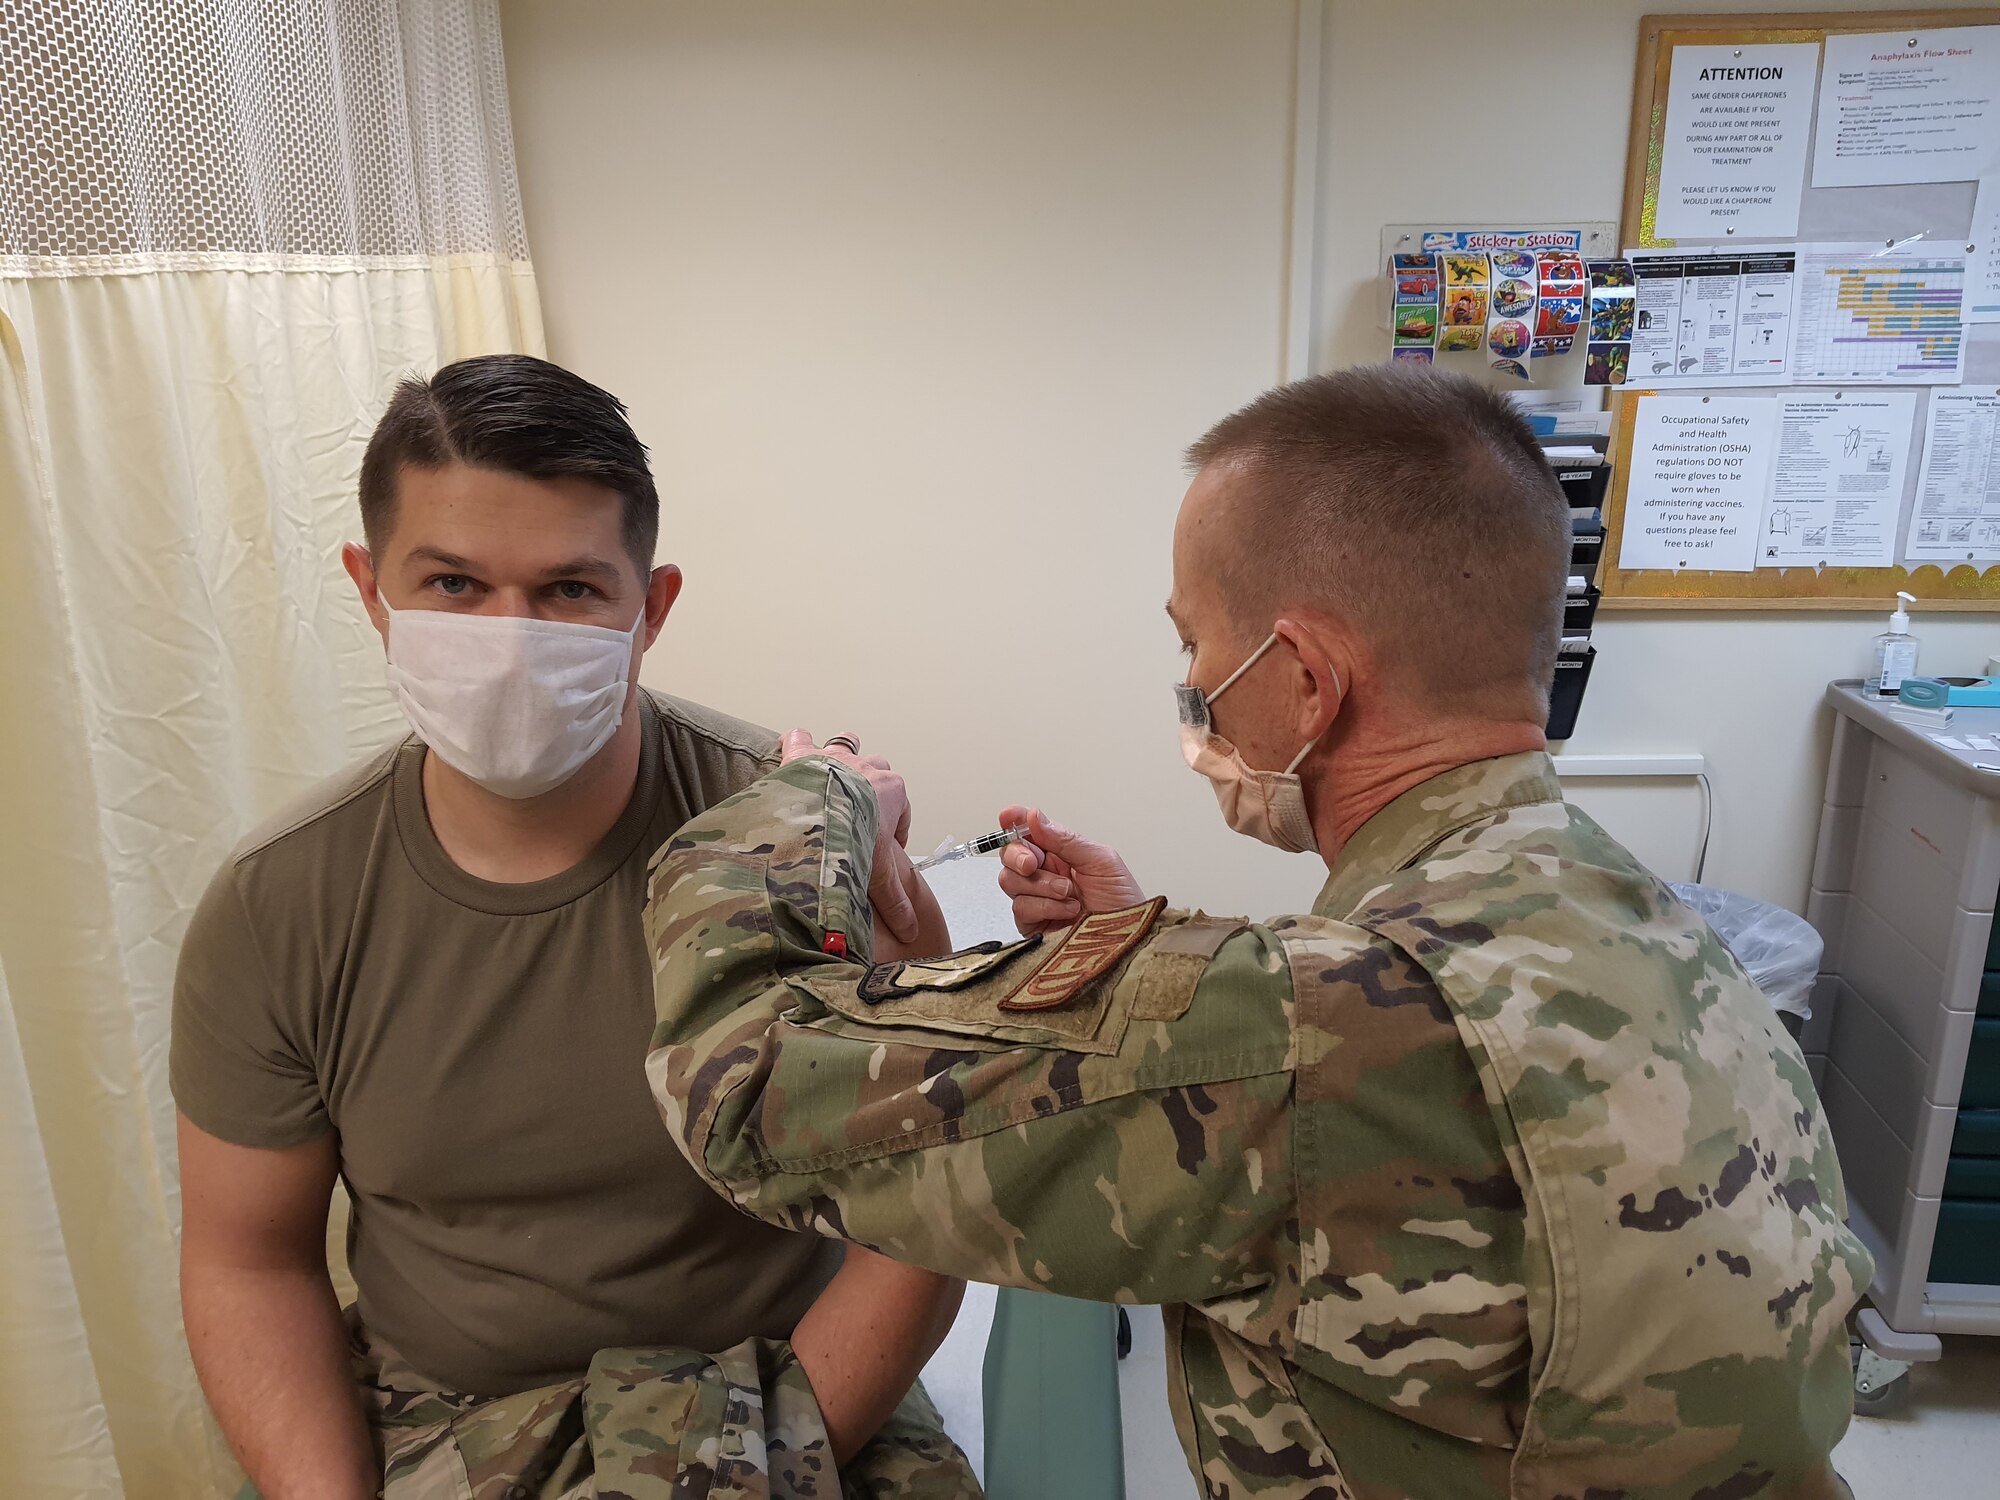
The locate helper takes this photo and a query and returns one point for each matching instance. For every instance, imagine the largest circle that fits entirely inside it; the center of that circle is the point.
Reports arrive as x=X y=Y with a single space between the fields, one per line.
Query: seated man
x=1493 y=1176
x=428 y=978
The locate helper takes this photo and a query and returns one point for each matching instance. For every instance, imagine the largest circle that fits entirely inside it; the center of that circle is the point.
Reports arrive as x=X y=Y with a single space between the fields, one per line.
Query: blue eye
x=453 y=585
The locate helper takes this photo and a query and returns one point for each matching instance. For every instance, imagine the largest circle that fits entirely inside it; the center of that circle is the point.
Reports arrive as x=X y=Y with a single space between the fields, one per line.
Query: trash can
x=1779 y=949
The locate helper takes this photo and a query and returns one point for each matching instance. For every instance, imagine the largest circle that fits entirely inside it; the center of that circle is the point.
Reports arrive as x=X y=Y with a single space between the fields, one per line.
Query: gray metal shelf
x=1903 y=888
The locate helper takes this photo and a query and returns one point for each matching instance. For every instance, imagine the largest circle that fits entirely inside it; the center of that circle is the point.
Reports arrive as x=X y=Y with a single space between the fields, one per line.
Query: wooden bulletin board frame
x=1798 y=588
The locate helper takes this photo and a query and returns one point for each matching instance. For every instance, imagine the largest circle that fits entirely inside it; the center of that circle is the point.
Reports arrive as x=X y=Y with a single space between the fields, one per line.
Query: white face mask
x=1266 y=805
x=515 y=704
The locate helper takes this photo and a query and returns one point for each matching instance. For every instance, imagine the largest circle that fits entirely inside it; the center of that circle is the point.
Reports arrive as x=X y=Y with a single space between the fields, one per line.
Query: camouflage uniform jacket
x=1496 y=1176
x=644 y=1424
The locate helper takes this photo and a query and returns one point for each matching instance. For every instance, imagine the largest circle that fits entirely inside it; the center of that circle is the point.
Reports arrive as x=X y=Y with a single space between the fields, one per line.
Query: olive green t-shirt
x=480 y=1050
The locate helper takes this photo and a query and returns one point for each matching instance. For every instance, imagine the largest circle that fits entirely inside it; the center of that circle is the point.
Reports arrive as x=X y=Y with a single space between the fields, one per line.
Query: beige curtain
x=227 y=227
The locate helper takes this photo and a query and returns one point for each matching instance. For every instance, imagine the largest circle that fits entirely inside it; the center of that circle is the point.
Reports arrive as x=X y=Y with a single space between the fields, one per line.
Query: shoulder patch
x=906 y=976
x=1082 y=954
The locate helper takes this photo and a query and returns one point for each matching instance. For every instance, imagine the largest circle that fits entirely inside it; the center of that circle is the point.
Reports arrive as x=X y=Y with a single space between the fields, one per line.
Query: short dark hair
x=1414 y=504
x=519 y=415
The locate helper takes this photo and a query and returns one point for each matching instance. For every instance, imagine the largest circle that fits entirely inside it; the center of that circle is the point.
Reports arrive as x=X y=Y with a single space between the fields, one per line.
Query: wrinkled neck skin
x=513 y=842
x=1351 y=780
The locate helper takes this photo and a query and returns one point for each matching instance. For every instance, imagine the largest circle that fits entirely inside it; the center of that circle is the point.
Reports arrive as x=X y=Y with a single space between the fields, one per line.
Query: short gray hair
x=1413 y=504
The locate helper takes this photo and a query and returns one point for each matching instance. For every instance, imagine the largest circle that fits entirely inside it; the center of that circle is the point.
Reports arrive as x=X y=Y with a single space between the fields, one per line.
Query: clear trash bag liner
x=1779 y=949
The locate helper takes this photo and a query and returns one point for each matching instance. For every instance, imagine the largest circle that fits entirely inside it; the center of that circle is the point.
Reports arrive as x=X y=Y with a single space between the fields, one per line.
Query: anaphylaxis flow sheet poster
x=1837 y=488
x=1957 y=514
x=1701 y=467
x=1908 y=106
x=1733 y=156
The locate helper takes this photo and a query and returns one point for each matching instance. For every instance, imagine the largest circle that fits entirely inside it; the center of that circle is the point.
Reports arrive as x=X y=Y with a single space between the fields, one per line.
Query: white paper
x=1863 y=315
x=1982 y=256
x=1957 y=514
x=1837 y=483
x=1711 y=319
x=1734 y=154
x=1908 y=106
x=1701 y=468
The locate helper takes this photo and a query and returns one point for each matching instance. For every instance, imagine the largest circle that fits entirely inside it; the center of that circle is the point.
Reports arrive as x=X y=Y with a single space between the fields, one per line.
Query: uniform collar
x=1427 y=814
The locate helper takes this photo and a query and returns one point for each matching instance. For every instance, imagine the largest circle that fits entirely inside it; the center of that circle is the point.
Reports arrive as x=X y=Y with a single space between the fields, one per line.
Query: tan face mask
x=1267 y=805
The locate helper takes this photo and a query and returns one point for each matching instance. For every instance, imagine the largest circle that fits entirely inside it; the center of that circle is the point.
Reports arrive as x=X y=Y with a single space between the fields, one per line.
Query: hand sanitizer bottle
x=1895 y=653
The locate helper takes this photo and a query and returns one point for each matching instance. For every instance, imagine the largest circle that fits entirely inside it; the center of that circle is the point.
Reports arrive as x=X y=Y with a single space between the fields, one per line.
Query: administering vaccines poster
x=1701 y=468
x=1957 y=514
x=1837 y=487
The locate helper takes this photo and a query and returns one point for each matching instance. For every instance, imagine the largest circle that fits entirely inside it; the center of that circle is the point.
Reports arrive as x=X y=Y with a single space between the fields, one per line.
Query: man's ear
x=361 y=568
x=1325 y=664
x=662 y=589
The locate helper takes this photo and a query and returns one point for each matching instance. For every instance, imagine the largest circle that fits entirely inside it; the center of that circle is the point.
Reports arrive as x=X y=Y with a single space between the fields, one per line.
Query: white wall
x=917 y=302
x=1547 y=142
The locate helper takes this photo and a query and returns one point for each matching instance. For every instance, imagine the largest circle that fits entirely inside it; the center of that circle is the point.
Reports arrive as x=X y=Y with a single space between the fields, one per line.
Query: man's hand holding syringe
x=1053 y=876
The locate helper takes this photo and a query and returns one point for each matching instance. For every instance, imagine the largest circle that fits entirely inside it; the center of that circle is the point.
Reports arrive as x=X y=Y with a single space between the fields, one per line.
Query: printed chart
x=1881 y=319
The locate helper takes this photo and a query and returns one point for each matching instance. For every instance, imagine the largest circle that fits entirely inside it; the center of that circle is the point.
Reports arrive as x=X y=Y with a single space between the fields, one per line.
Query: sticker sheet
x=1414 y=316
x=1561 y=293
x=1510 y=314
x=1608 y=347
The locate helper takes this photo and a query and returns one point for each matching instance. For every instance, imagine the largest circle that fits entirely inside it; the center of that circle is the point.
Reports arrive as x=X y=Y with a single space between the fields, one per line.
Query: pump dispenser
x=1895 y=653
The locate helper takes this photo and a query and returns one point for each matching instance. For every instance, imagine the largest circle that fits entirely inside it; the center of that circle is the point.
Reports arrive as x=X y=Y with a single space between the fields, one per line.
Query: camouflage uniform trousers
x=646 y=1424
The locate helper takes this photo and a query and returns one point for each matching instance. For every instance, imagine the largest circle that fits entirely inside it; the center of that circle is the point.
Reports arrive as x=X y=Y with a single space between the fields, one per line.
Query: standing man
x=1492 y=1176
x=428 y=979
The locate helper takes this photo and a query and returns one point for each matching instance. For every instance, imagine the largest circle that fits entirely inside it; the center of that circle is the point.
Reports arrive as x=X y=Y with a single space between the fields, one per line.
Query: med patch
x=1081 y=954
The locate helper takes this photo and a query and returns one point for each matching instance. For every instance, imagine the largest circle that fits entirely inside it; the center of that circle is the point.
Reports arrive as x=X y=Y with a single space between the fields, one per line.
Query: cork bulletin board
x=1940 y=213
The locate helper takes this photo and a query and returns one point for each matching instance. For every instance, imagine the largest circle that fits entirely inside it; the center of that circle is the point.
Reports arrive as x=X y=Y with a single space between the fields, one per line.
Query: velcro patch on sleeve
x=908 y=976
x=1084 y=953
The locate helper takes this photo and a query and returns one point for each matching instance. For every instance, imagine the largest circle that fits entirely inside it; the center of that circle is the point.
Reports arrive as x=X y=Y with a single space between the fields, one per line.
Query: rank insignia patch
x=910 y=976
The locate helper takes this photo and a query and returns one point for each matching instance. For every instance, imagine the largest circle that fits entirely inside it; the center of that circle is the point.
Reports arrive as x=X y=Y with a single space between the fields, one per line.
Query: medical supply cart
x=1904 y=1040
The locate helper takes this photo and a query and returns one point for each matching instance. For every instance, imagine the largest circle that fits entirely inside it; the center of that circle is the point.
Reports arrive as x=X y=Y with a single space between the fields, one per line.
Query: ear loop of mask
x=1208 y=699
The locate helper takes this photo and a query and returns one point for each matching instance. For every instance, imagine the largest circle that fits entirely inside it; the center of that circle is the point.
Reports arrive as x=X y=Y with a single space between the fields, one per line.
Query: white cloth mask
x=1266 y=805
x=515 y=704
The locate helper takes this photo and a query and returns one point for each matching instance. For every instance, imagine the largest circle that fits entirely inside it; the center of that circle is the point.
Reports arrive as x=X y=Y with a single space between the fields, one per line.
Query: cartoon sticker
x=1558 y=316
x=1612 y=273
x=1416 y=325
x=1513 y=298
x=1558 y=266
x=1465 y=305
x=1547 y=346
x=1509 y=338
x=1605 y=364
x=1513 y=263
x=1511 y=367
x=1611 y=319
x=1422 y=355
x=1457 y=340
x=1424 y=262
x=1465 y=269
x=1416 y=286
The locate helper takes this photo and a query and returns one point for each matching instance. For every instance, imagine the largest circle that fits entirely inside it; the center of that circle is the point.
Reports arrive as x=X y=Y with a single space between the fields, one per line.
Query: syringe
x=986 y=843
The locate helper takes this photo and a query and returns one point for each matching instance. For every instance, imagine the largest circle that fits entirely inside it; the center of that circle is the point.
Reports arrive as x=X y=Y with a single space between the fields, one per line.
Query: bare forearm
x=271 y=1351
x=863 y=1343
